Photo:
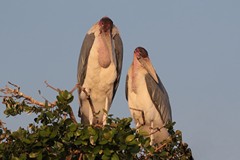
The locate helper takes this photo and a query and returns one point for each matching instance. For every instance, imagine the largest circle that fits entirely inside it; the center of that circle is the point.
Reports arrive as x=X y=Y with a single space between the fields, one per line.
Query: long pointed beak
x=149 y=67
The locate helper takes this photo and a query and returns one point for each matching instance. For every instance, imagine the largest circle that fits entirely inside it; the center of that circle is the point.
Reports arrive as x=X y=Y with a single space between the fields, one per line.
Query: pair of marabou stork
x=99 y=71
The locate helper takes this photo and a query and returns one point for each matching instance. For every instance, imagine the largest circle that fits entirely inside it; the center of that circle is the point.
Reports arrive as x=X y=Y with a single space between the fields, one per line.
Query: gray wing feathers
x=83 y=58
x=159 y=97
x=126 y=88
x=119 y=58
x=82 y=63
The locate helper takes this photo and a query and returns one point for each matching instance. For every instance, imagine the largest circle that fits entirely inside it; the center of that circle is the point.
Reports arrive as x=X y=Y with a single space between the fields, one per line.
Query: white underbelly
x=99 y=81
x=142 y=102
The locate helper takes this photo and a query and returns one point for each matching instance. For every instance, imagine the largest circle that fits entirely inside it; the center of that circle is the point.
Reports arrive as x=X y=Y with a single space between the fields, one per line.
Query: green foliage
x=54 y=135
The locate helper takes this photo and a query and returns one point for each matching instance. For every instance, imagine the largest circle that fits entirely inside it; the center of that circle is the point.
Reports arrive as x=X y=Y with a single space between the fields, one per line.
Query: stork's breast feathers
x=98 y=77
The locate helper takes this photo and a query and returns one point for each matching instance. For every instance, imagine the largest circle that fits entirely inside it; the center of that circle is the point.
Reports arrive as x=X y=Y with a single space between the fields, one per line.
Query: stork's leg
x=91 y=117
x=143 y=118
x=151 y=135
x=105 y=112
x=92 y=113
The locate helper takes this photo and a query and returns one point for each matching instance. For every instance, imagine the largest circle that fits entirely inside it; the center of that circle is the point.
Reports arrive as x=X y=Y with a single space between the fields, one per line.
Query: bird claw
x=143 y=118
x=155 y=130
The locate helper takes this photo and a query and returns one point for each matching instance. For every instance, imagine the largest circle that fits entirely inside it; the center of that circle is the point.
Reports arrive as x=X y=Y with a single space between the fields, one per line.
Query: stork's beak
x=146 y=63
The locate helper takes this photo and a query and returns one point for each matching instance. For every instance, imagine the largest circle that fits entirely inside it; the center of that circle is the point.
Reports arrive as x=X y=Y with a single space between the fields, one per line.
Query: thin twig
x=14 y=85
x=52 y=104
x=71 y=114
x=160 y=147
x=76 y=87
x=157 y=129
x=80 y=157
x=2 y=124
x=48 y=85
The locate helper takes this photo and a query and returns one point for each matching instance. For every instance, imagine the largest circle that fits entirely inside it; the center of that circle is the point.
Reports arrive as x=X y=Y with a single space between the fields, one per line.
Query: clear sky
x=194 y=47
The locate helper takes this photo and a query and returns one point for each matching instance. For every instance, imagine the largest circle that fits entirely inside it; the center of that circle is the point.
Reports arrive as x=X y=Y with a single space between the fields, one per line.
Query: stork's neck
x=104 y=50
x=135 y=70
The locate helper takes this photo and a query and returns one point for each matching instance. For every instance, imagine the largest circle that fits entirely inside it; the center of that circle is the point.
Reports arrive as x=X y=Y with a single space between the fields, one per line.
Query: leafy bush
x=55 y=134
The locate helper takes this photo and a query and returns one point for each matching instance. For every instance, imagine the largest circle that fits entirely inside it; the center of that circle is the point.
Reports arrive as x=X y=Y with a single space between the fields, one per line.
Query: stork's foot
x=139 y=125
x=155 y=130
x=98 y=125
x=90 y=102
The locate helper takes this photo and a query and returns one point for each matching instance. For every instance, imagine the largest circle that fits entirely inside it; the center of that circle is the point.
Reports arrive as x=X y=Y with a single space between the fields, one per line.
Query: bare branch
x=14 y=85
x=9 y=92
x=160 y=147
x=76 y=87
x=157 y=129
x=2 y=124
x=18 y=94
x=52 y=104
x=80 y=157
x=48 y=85
x=71 y=114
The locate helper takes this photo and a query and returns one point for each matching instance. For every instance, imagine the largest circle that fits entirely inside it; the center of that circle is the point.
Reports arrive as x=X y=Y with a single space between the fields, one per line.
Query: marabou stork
x=147 y=98
x=99 y=70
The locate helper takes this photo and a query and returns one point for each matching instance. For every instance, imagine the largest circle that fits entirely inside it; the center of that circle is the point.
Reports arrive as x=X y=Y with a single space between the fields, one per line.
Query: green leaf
x=44 y=133
x=54 y=133
x=133 y=142
x=143 y=132
x=129 y=138
x=70 y=134
x=73 y=127
x=77 y=133
x=96 y=150
x=114 y=157
x=38 y=144
x=15 y=158
x=105 y=157
x=33 y=154
x=58 y=145
x=68 y=121
x=91 y=156
x=27 y=141
x=102 y=142
x=39 y=157
x=65 y=96
x=107 y=152
x=91 y=131
x=107 y=135
x=23 y=156
x=135 y=149
x=92 y=140
x=147 y=142
x=78 y=142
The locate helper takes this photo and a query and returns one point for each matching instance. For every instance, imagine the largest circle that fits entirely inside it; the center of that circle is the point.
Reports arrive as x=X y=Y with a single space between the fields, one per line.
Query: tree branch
x=48 y=85
x=10 y=92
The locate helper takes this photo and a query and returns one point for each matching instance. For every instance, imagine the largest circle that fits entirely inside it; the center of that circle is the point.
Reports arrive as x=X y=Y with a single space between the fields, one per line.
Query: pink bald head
x=106 y=24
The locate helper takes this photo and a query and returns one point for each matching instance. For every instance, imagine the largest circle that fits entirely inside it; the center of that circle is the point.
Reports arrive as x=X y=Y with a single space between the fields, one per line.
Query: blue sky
x=194 y=47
